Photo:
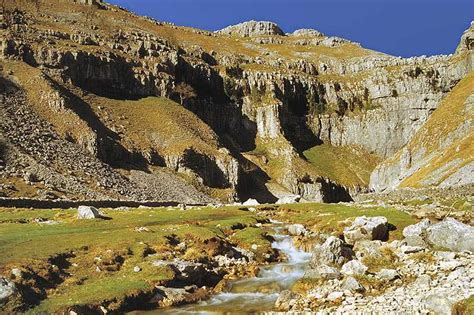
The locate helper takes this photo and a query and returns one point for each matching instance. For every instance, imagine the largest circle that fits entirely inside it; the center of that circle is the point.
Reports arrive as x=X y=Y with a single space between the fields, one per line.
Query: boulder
x=438 y=304
x=388 y=274
x=286 y=300
x=88 y=212
x=414 y=241
x=288 y=199
x=297 y=230
x=334 y=296
x=417 y=229
x=332 y=252
x=353 y=268
x=351 y=284
x=366 y=228
x=451 y=234
x=251 y=202
x=368 y=248
x=322 y=272
x=166 y=297
x=7 y=289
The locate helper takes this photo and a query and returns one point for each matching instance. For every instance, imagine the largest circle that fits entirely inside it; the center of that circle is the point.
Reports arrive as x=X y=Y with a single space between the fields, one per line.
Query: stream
x=257 y=294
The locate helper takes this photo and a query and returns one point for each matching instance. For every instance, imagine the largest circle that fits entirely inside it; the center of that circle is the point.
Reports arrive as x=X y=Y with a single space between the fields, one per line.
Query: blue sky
x=397 y=27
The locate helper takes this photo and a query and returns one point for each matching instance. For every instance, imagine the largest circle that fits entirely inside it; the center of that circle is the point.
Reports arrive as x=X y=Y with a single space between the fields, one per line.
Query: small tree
x=185 y=92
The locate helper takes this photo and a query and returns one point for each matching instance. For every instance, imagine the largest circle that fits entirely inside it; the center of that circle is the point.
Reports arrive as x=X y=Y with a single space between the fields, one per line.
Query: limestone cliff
x=442 y=151
x=245 y=112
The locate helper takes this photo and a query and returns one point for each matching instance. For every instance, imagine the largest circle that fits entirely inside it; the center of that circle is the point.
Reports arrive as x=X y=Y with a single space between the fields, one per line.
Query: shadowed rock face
x=263 y=107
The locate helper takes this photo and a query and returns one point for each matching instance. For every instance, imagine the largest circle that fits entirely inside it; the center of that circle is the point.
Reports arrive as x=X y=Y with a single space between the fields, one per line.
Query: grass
x=348 y=166
x=330 y=218
x=386 y=260
x=114 y=246
x=464 y=307
x=156 y=122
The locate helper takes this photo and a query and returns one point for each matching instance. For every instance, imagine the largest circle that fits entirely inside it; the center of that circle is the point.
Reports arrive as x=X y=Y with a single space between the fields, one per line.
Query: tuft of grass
x=387 y=260
x=423 y=257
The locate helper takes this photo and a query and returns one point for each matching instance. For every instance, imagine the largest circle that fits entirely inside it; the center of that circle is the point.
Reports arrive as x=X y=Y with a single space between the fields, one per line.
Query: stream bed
x=257 y=294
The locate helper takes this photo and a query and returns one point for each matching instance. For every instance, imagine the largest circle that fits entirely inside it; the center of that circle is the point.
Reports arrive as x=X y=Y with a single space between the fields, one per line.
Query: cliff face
x=441 y=153
x=236 y=113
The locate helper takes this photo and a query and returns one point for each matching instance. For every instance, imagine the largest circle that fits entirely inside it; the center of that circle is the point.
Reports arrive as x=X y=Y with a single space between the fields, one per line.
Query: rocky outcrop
x=467 y=40
x=307 y=32
x=332 y=252
x=252 y=28
x=364 y=228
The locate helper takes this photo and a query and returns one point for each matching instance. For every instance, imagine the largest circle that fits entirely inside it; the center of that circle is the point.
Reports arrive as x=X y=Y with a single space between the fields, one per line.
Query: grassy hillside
x=349 y=166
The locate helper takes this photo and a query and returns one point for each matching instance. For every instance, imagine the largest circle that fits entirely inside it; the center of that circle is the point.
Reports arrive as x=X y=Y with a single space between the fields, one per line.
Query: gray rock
x=351 y=284
x=286 y=300
x=438 y=304
x=7 y=289
x=322 y=272
x=333 y=296
x=251 y=202
x=354 y=267
x=297 y=230
x=414 y=241
x=366 y=228
x=451 y=234
x=288 y=199
x=423 y=281
x=388 y=274
x=332 y=252
x=368 y=248
x=88 y=212
x=307 y=32
x=417 y=230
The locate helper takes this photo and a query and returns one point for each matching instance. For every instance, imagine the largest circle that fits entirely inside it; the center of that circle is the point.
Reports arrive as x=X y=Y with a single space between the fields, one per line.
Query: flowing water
x=257 y=294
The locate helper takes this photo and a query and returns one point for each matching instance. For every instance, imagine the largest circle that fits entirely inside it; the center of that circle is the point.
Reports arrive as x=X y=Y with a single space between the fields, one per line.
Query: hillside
x=136 y=109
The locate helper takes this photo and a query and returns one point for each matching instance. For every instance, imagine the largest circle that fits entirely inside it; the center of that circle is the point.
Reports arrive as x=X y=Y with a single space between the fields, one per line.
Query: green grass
x=346 y=165
x=29 y=246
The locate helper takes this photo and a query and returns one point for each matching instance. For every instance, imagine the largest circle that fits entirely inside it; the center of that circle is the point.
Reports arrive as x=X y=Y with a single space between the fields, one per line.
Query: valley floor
x=147 y=258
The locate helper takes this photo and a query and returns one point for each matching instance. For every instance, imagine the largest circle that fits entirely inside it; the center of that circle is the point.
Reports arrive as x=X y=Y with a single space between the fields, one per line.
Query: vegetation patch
x=70 y=262
x=329 y=218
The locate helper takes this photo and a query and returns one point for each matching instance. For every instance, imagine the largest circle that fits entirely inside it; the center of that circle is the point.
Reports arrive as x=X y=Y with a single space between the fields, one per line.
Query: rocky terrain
x=135 y=109
x=364 y=274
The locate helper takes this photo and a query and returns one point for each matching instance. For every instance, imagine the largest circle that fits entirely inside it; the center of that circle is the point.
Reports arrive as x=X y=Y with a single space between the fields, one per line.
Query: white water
x=257 y=294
